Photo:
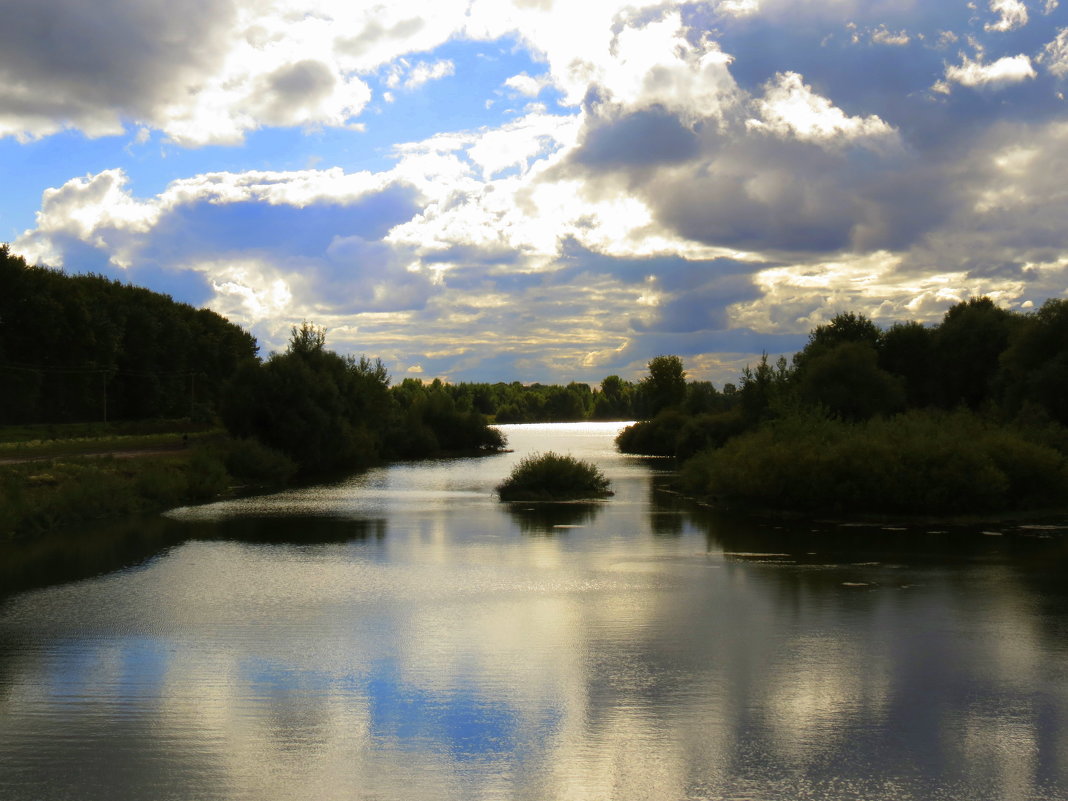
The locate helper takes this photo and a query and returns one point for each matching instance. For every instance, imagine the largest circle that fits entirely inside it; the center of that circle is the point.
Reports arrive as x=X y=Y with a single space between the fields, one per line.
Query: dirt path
x=133 y=453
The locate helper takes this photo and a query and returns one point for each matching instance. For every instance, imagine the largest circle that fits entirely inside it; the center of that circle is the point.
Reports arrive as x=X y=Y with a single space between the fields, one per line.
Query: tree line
x=84 y=348
x=614 y=398
x=78 y=348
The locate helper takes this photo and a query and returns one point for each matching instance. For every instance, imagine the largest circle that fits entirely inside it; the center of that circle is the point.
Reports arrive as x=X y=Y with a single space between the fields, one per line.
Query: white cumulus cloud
x=1004 y=71
x=1054 y=55
x=526 y=85
x=411 y=76
x=1012 y=14
x=790 y=108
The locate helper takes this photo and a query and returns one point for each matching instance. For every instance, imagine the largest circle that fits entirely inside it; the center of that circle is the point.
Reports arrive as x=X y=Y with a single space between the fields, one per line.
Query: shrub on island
x=552 y=477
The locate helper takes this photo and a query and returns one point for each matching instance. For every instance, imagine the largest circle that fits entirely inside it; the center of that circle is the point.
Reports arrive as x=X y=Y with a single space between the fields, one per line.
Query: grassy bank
x=71 y=439
x=155 y=472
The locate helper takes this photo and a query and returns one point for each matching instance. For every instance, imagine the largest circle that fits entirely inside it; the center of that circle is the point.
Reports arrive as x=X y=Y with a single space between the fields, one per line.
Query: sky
x=540 y=190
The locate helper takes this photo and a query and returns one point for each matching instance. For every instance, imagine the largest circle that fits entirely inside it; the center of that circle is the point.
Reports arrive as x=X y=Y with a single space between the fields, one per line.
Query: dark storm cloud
x=702 y=307
x=92 y=64
x=763 y=193
x=673 y=271
x=294 y=88
x=643 y=138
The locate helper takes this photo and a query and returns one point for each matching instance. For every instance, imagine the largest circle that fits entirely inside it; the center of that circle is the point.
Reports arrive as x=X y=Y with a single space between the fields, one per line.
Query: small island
x=553 y=477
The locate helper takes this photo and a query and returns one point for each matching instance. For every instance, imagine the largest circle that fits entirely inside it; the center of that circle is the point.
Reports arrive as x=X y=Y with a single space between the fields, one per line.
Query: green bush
x=552 y=477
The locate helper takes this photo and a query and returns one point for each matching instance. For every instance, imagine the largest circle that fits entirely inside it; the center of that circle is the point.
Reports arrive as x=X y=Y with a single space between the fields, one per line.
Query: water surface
x=403 y=635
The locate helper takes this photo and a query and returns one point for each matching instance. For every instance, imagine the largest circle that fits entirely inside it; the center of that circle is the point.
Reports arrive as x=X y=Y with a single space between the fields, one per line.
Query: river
x=403 y=635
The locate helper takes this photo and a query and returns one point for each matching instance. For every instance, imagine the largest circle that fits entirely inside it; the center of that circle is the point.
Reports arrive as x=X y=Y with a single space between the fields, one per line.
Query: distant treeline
x=965 y=416
x=78 y=348
x=613 y=399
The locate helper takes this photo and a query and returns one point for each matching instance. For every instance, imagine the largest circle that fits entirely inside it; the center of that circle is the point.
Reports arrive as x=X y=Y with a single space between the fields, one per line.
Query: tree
x=613 y=402
x=967 y=347
x=323 y=410
x=665 y=386
x=72 y=346
x=762 y=388
x=847 y=381
x=843 y=327
x=907 y=351
x=1034 y=367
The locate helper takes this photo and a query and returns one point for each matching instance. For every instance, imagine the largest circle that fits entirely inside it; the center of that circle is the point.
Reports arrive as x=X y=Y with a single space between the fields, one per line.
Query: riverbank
x=53 y=478
x=51 y=483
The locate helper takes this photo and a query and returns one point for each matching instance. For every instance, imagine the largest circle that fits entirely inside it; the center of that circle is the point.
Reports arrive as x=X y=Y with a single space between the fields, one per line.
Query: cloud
x=1012 y=14
x=1007 y=223
x=526 y=85
x=787 y=179
x=738 y=8
x=409 y=76
x=63 y=64
x=996 y=75
x=790 y=108
x=882 y=35
x=643 y=138
x=1054 y=55
x=209 y=74
x=266 y=241
x=712 y=179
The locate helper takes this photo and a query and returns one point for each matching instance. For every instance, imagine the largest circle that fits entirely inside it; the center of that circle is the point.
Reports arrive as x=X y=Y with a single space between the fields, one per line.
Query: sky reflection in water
x=404 y=635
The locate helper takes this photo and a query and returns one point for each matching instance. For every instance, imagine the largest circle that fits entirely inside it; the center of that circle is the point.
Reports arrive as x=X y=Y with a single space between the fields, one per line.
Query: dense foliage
x=326 y=411
x=85 y=348
x=553 y=477
x=918 y=462
x=966 y=415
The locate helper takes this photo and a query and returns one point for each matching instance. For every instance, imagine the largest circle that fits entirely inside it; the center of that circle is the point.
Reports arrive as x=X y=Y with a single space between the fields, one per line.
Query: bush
x=552 y=477
x=654 y=437
x=704 y=431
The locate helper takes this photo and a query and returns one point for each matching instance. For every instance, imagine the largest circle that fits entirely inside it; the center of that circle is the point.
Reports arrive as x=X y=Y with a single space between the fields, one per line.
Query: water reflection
x=291 y=530
x=88 y=551
x=409 y=641
x=552 y=518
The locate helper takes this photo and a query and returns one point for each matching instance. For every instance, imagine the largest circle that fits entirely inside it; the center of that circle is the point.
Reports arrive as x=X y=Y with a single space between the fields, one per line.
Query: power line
x=96 y=370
